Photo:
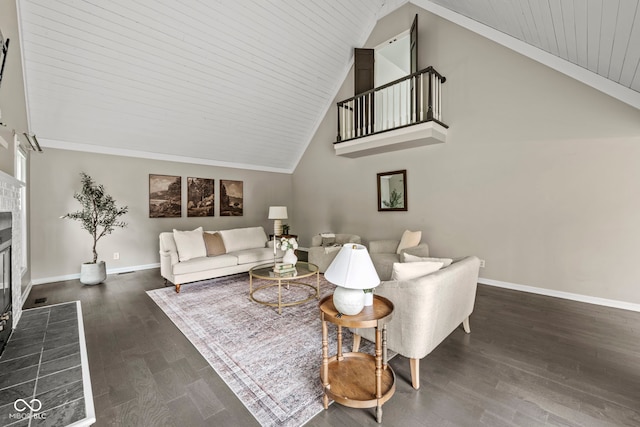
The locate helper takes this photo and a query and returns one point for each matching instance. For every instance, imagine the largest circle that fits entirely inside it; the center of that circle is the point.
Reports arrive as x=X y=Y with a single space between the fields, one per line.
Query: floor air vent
x=40 y=300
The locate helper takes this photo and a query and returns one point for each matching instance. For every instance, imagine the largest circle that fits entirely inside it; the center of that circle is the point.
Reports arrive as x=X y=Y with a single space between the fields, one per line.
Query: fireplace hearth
x=6 y=321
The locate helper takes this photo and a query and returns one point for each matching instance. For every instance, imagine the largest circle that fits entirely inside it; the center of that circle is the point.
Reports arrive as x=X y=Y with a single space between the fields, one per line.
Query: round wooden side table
x=357 y=380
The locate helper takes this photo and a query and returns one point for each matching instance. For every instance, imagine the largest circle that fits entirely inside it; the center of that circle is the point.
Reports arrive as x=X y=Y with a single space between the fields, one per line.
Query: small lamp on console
x=351 y=271
x=277 y=213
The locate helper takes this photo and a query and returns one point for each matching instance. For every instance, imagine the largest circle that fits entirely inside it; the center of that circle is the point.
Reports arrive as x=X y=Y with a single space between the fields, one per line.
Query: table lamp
x=277 y=213
x=351 y=271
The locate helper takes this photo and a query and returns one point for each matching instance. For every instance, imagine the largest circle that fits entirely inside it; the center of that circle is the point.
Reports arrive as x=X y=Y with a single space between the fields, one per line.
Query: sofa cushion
x=446 y=262
x=238 y=239
x=195 y=265
x=383 y=262
x=328 y=241
x=190 y=244
x=412 y=270
x=214 y=244
x=253 y=255
x=409 y=240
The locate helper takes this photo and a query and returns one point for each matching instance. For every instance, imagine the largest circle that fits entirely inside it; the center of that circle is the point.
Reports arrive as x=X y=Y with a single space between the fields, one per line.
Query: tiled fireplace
x=10 y=202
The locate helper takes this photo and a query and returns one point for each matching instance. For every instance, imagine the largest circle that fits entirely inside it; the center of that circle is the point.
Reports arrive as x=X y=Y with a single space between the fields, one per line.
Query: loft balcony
x=405 y=113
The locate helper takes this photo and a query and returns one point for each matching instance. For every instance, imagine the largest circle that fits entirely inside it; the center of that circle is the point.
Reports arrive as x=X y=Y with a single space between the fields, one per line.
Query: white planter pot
x=290 y=257
x=368 y=299
x=92 y=274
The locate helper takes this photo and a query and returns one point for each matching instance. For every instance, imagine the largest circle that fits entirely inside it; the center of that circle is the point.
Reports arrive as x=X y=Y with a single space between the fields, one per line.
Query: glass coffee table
x=265 y=272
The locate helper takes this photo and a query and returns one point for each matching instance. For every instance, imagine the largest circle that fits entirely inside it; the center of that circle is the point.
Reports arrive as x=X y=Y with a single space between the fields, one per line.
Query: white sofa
x=426 y=310
x=245 y=248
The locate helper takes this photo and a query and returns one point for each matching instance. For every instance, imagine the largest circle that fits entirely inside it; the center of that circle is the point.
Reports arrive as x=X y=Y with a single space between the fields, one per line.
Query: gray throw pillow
x=328 y=241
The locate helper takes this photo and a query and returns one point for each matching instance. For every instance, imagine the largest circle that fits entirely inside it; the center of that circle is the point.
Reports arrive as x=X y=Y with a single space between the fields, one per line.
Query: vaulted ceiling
x=245 y=83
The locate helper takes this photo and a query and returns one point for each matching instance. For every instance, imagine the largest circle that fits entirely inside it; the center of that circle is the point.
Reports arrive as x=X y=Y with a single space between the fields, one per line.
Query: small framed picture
x=165 y=196
x=231 y=198
x=200 y=197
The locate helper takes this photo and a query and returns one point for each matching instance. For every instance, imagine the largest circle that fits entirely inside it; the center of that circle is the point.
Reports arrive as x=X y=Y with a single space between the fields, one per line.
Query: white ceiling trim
x=615 y=90
x=101 y=149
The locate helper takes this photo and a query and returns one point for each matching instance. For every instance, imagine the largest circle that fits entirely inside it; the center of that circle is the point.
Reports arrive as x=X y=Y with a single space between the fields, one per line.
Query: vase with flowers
x=289 y=245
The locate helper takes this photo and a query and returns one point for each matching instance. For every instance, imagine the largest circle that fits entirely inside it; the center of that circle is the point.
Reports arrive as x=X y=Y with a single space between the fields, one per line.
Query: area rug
x=270 y=361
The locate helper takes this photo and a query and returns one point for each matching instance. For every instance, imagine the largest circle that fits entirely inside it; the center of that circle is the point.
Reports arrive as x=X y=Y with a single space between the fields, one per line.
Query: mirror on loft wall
x=392 y=191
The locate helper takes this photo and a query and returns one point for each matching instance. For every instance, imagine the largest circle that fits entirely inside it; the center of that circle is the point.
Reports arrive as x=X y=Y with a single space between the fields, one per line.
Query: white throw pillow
x=239 y=239
x=409 y=239
x=411 y=270
x=446 y=262
x=190 y=244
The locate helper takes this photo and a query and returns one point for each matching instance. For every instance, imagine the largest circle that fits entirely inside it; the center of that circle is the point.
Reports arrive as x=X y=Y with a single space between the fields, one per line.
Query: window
x=21 y=175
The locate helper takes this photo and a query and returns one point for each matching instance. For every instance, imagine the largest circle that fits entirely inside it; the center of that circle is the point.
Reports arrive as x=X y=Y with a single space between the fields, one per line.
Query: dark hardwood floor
x=529 y=360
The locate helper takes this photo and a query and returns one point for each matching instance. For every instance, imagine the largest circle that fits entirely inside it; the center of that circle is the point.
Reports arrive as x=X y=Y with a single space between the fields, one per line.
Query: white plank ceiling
x=244 y=83
x=602 y=36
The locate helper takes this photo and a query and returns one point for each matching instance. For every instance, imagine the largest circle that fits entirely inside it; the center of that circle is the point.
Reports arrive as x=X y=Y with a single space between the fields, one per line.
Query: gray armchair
x=322 y=256
x=427 y=309
x=383 y=254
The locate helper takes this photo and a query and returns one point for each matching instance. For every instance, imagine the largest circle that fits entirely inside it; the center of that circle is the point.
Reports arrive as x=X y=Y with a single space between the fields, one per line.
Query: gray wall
x=12 y=98
x=13 y=104
x=539 y=175
x=59 y=246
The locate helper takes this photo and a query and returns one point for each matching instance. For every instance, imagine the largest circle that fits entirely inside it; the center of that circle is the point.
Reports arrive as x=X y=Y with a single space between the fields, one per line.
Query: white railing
x=410 y=100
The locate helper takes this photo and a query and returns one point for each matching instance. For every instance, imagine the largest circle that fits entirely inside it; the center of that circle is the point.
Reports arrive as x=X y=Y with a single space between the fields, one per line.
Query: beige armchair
x=383 y=254
x=426 y=310
x=322 y=256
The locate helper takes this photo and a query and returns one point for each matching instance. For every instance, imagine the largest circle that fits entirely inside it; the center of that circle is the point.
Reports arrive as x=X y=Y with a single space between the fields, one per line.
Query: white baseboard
x=44 y=280
x=560 y=294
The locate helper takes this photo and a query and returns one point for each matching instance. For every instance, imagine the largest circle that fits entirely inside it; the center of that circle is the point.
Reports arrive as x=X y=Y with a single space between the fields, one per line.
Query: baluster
x=437 y=101
x=341 y=122
x=430 y=100
x=413 y=99
x=398 y=103
x=407 y=101
x=439 y=98
x=357 y=117
x=401 y=87
x=436 y=104
x=422 y=97
x=345 y=120
x=369 y=104
x=387 y=111
x=395 y=107
x=361 y=115
x=339 y=136
x=352 y=128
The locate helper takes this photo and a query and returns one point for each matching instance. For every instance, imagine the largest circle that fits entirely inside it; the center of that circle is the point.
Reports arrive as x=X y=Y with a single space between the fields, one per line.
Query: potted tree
x=99 y=216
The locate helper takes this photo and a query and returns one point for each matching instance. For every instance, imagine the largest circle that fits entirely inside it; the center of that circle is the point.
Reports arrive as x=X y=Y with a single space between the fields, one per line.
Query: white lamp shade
x=277 y=212
x=352 y=268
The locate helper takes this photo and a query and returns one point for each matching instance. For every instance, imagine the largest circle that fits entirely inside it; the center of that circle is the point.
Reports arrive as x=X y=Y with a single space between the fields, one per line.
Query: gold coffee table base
x=305 y=269
x=281 y=304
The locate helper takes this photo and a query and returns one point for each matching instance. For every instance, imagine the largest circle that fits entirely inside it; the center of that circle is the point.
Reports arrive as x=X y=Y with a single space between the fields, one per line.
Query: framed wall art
x=165 y=196
x=200 y=197
x=231 y=198
x=392 y=191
